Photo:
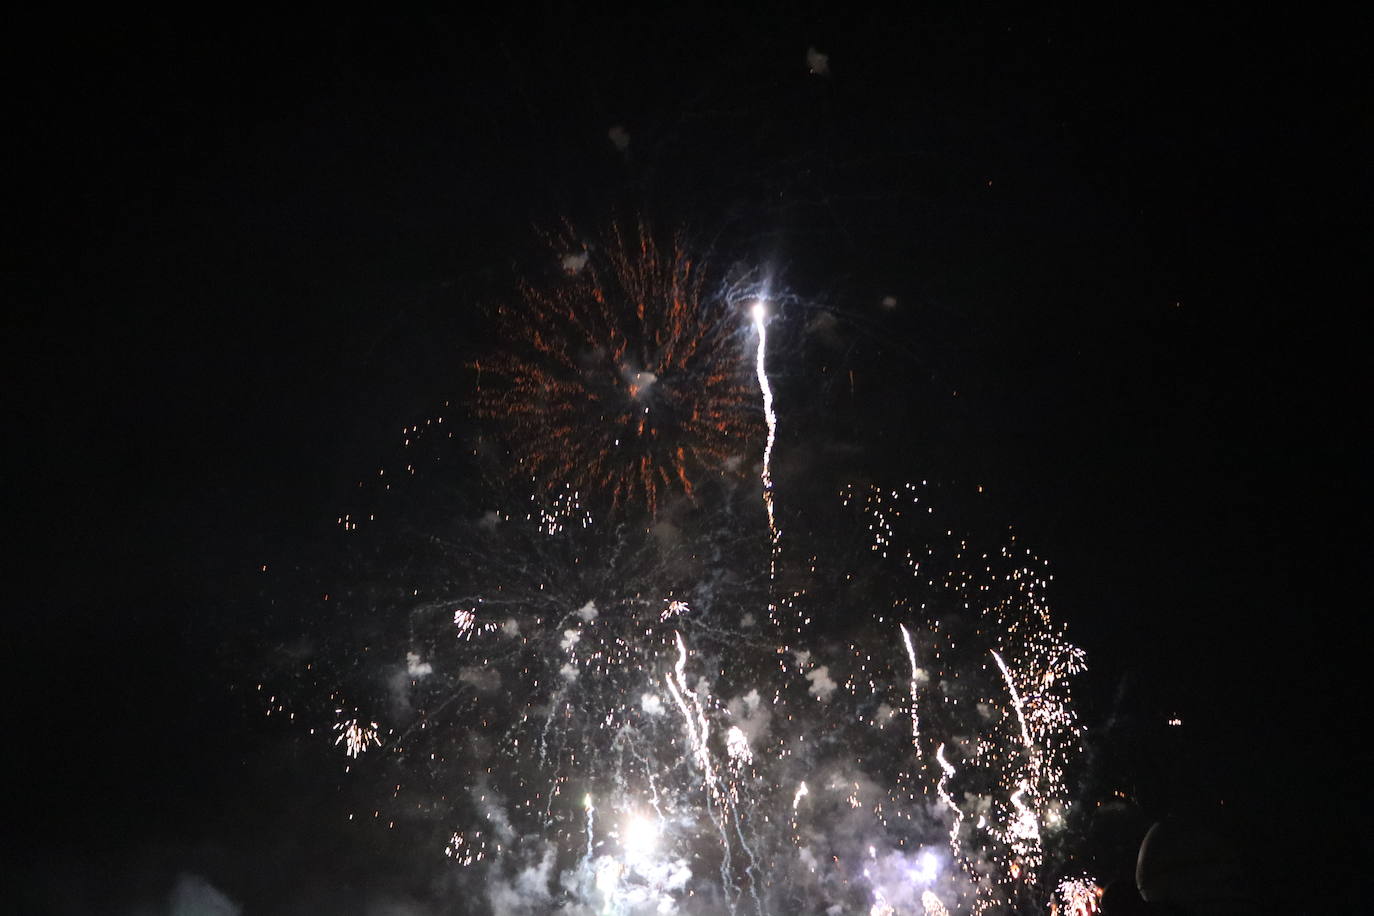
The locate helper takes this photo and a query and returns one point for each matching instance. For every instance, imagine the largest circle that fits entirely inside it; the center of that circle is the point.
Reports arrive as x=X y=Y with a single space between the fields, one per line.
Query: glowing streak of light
x=1025 y=828
x=722 y=809
x=760 y=312
x=1015 y=702
x=915 y=716
x=591 y=822
x=942 y=790
x=697 y=726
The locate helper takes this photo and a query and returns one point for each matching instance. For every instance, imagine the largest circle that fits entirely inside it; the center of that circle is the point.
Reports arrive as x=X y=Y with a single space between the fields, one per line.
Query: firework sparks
x=355 y=736
x=1081 y=896
x=623 y=377
x=693 y=714
x=592 y=668
x=554 y=657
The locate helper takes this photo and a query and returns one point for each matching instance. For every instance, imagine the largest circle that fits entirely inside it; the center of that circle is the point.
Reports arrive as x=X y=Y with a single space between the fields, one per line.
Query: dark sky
x=245 y=253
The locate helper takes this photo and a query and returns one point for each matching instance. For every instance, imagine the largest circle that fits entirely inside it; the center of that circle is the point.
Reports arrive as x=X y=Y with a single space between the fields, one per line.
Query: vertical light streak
x=760 y=312
x=697 y=726
x=1025 y=827
x=1015 y=702
x=915 y=716
x=591 y=822
x=940 y=788
x=721 y=809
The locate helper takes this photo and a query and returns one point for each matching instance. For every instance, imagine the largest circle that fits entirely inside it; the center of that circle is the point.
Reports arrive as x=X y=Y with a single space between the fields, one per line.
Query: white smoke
x=192 y=895
x=751 y=715
x=525 y=892
x=824 y=326
x=401 y=680
x=817 y=63
x=483 y=677
x=821 y=685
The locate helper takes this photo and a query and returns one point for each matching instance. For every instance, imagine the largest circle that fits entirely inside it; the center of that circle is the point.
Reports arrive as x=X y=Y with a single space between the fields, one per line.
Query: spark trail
x=760 y=315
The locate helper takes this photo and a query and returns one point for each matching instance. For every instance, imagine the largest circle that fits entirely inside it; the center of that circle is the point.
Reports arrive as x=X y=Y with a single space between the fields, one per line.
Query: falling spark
x=1079 y=896
x=698 y=729
x=915 y=713
x=942 y=789
x=1015 y=701
x=355 y=736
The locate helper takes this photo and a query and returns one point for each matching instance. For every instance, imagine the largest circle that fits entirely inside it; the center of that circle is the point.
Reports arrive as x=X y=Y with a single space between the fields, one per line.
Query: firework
x=535 y=686
x=984 y=674
x=1079 y=896
x=599 y=704
x=623 y=376
x=591 y=713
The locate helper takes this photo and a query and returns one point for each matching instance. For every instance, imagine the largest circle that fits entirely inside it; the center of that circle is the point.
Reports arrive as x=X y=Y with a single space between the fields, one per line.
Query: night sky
x=1127 y=253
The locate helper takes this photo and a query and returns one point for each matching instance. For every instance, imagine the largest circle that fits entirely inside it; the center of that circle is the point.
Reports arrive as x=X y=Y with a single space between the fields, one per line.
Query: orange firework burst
x=624 y=377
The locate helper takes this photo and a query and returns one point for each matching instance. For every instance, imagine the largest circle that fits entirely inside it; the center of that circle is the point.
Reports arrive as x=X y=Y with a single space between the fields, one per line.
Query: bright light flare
x=639 y=836
x=927 y=867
